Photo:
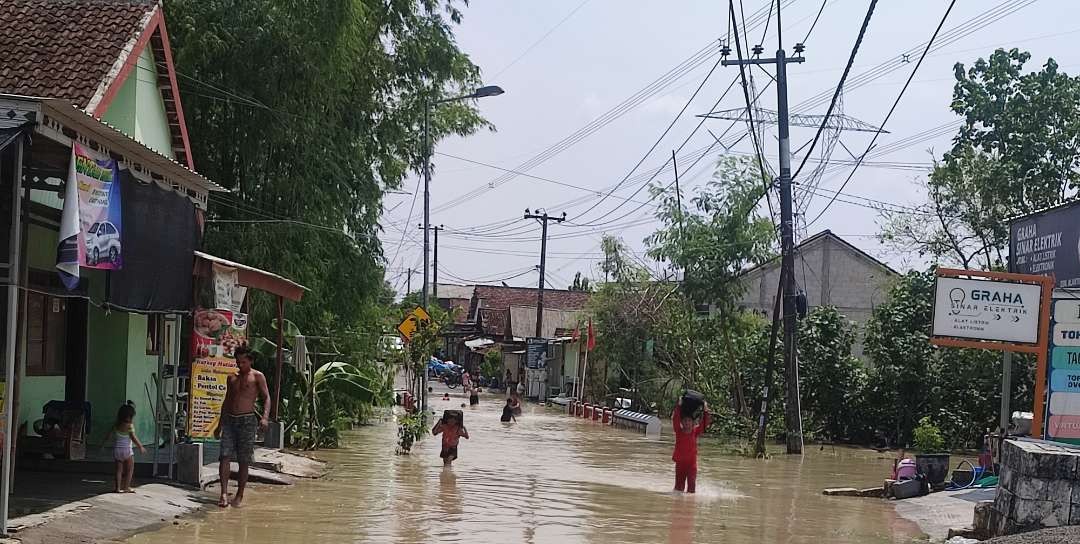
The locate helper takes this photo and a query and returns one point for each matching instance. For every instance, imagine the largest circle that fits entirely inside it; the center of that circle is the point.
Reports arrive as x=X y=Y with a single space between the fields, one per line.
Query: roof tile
x=64 y=48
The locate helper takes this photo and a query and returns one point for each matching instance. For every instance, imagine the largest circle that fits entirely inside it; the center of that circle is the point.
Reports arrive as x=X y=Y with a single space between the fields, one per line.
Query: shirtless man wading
x=238 y=423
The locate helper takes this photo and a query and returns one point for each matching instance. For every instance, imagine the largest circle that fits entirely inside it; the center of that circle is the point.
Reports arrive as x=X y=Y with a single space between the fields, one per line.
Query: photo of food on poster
x=217 y=333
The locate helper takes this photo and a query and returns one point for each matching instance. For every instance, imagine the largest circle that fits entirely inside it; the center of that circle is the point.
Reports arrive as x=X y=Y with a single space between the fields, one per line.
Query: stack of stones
x=1039 y=487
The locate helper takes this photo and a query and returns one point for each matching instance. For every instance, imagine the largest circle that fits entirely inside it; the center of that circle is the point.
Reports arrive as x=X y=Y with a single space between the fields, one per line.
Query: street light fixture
x=482 y=92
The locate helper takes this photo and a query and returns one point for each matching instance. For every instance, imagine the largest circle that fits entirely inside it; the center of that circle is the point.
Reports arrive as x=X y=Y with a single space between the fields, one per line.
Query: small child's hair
x=126 y=413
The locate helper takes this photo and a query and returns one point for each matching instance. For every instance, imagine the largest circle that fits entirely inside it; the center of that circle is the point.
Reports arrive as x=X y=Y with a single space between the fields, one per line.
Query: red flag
x=592 y=338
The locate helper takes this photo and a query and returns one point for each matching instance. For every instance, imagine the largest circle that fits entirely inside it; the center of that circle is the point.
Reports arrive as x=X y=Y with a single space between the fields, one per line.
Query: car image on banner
x=102 y=243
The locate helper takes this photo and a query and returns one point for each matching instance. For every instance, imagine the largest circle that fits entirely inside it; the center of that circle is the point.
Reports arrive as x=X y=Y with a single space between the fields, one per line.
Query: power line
x=540 y=39
x=657 y=142
x=839 y=86
x=891 y=110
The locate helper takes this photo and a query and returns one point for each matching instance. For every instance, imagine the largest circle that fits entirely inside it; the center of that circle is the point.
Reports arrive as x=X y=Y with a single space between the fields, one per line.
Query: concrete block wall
x=832 y=273
x=1039 y=487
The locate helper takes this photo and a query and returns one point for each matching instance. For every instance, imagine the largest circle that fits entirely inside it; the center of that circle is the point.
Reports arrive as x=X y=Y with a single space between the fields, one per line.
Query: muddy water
x=552 y=479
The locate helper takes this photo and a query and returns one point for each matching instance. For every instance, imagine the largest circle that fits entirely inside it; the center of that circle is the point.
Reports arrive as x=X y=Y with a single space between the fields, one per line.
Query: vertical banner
x=209 y=381
x=217 y=334
x=1063 y=378
x=90 y=224
x=225 y=287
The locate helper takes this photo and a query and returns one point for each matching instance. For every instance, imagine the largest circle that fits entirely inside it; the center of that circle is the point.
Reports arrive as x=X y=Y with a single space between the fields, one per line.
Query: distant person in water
x=687 y=432
x=474 y=397
x=452 y=432
x=508 y=411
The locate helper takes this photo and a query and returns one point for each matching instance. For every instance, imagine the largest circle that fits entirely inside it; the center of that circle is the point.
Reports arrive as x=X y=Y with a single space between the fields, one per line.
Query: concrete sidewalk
x=936 y=513
x=109 y=516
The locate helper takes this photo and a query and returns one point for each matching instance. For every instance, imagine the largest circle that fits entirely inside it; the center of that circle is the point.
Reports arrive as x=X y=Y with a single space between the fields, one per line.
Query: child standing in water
x=123 y=436
x=687 y=432
x=452 y=432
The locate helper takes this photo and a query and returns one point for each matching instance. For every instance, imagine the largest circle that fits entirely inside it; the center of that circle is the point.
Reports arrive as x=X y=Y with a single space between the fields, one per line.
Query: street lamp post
x=482 y=92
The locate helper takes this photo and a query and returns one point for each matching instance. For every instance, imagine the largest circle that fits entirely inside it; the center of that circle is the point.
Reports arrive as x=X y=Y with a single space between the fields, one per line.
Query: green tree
x=308 y=110
x=1018 y=150
x=832 y=379
x=713 y=243
x=898 y=342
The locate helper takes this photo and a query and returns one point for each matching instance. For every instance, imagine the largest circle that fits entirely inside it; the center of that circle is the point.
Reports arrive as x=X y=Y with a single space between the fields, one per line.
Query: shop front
x=93 y=306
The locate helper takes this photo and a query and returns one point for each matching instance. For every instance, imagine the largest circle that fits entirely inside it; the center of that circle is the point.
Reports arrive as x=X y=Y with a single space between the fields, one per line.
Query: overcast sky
x=599 y=53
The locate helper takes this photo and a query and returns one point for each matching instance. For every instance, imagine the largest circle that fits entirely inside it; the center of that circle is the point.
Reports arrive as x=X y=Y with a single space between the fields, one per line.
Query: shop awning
x=251 y=277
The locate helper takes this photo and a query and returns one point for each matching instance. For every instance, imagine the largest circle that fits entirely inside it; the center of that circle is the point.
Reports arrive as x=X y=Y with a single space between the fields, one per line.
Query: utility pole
x=543 y=217
x=435 y=263
x=408 y=280
x=792 y=412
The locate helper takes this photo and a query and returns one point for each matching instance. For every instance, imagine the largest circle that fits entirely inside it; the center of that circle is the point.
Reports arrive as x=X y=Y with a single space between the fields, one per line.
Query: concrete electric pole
x=543 y=217
x=792 y=414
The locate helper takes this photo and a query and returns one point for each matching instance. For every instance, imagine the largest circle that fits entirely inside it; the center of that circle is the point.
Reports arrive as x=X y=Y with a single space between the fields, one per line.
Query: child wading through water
x=452 y=432
x=124 y=440
x=508 y=411
x=685 y=454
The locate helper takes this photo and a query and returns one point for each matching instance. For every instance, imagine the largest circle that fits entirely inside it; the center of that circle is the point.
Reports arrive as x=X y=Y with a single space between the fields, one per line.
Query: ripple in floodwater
x=549 y=478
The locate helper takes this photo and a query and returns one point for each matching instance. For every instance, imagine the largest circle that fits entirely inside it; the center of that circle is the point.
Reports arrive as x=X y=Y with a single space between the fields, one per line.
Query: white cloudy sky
x=599 y=53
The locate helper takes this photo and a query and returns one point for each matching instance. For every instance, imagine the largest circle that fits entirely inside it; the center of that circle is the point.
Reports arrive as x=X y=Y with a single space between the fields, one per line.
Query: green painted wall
x=41 y=247
x=34 y=392
x=140 y=370
x=106 y=372
x=138 y=110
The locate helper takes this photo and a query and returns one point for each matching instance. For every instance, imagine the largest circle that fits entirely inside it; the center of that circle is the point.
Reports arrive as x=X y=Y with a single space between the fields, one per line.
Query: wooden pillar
x=280 y=357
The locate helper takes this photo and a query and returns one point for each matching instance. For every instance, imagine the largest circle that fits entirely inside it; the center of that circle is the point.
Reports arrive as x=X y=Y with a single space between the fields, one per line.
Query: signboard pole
x=1041 y=362
x=1006 y=391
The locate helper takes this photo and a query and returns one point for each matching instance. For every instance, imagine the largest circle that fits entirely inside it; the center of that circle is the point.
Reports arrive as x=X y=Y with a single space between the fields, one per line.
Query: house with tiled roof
x=506 y=316
x=88 y=92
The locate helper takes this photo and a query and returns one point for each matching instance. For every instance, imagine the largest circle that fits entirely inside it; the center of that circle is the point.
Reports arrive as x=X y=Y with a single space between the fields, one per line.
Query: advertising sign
x=1047 y=243
x=217 y=334
x=536 y=352
x=987 y=310
x=90 y=229
x=209 y=380
x=1063 y=387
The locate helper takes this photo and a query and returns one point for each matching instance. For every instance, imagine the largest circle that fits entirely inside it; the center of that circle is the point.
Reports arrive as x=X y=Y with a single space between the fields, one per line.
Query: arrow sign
x=1016 y=319
x=997 y=317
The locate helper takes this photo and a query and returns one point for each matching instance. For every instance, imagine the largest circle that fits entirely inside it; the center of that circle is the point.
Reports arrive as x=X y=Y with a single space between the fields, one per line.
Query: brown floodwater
x=549 y=478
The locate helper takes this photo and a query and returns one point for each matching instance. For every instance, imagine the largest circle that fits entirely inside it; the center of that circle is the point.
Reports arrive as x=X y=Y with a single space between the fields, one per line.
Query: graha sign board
x=987 y=310
x=1047 y=243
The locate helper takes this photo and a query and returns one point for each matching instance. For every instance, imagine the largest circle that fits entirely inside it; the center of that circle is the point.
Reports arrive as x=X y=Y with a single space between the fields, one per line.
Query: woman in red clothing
x=687 y=432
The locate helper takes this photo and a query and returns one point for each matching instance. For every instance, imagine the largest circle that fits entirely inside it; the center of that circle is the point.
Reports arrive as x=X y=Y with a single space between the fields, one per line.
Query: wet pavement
x=549 y=478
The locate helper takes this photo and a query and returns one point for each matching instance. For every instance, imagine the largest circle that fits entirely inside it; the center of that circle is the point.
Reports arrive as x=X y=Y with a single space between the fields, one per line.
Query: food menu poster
x=1063 y=387
x=209 y=381
x=218 y=333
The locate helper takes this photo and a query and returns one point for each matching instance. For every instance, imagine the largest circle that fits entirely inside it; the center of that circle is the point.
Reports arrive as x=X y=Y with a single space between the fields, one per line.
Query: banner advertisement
x=1047 y=243
x=217 y=334
x=209 y=380
x=228 y=293
x=1063 y=378
x=90 y=224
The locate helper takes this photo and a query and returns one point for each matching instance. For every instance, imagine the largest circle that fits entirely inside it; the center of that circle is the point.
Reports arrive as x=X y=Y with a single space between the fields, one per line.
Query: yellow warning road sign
x=412 y=322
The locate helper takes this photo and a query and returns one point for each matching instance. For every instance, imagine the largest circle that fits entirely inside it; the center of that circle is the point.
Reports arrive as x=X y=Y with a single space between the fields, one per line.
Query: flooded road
x=550 y=478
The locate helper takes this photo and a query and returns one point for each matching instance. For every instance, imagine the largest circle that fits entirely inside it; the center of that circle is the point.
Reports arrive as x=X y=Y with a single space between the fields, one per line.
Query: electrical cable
x=892 y=109
x=839 y=86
